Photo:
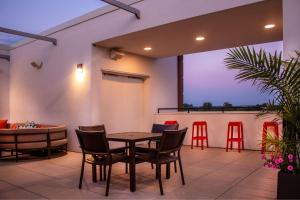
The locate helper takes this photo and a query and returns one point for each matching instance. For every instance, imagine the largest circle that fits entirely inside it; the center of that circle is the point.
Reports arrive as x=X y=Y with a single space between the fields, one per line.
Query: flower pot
x=288 y=186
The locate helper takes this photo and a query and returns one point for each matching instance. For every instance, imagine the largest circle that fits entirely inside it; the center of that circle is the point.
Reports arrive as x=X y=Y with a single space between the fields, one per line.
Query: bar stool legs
x=199 y=127
x=266 y=126
x=230 y=136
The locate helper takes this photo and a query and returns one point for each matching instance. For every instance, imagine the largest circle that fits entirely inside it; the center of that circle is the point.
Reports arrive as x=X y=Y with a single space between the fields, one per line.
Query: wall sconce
x=79 y=68
x=79 y=72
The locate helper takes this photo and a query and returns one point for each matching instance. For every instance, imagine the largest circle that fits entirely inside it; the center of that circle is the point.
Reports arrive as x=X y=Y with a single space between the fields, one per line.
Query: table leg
x=132 y=166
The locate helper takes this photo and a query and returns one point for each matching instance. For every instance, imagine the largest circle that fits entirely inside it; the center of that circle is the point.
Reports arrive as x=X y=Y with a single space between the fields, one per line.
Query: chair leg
x=231 y=136
x=197 y=141
x=17 y=156
x=156 y=171
x=206 y=136
x=242 y=131
x=94 y=173
x=158 y=166
x=149 y=146
x=126 y=168
x=181 y=169
x=239 y=139
x=82 y=171
x=126 y=152
x=49 y=153
x=168 y=170
x=202 y=138
x=175 y=165
x=108 y=180
x=104 y=172
x=227 y=145
x=101 y=168
x=192 y=137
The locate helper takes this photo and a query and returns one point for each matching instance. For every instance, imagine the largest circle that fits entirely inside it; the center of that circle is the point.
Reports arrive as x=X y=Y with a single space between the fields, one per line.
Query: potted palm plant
x=281 y=79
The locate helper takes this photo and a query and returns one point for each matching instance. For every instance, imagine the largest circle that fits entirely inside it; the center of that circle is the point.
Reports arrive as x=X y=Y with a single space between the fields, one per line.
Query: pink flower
x=270 y=165
x=290 y=167
x=279 y=160
x=290 y=156
x=263 y=157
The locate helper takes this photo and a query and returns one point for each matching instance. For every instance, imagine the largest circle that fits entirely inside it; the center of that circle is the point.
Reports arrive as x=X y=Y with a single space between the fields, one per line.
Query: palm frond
x=272 y=75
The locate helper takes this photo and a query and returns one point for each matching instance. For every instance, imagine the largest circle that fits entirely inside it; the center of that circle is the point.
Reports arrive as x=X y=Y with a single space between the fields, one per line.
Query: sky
x=35 y=16
x=206 y=79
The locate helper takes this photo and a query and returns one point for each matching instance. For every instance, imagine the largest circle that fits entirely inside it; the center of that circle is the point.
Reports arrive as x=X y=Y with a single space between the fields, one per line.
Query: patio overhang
x=225 y=29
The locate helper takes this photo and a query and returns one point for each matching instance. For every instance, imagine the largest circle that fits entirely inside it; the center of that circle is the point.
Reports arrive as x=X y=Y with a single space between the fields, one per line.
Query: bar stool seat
x=197 y=126
x=171 y=122
x=230 y=135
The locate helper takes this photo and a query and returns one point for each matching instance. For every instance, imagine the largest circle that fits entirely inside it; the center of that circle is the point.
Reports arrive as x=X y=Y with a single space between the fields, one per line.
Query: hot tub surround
x=46 y=137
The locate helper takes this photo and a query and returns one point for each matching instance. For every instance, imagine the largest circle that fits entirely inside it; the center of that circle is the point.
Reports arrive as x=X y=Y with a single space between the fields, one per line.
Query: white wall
x=291 y=28
x=119 y=101
x=217 y=126
x=124 y=104
x=162 y=88
x=54 y=95
x=4 y=88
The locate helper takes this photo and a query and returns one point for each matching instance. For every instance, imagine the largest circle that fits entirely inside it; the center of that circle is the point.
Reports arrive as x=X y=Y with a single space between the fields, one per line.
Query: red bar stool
x=266 y=126
x=171 y=122
x=240 y=137
x=199 y=125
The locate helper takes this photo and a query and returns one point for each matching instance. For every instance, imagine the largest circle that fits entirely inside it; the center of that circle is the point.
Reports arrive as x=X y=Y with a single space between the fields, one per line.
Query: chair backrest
x=172 y=140
x=92 y=128
x=171 y=122
x=160 y=128
x=93 y=141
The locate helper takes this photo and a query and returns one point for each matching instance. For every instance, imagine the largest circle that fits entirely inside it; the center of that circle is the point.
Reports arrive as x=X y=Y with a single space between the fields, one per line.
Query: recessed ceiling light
x=269 y=26
x=200 y=38
x=147 y=48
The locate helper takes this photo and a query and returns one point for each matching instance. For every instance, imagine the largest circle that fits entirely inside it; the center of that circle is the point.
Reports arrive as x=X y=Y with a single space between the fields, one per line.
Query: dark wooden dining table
x=132 y=138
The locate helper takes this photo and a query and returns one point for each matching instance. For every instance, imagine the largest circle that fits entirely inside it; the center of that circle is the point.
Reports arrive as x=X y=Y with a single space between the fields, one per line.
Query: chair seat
x=103 y=160
x=144 y=150
x=150 y=155
x=163 y=159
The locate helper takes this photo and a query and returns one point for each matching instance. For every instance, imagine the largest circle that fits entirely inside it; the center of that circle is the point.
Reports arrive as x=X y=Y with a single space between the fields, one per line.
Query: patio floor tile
x=210 y=174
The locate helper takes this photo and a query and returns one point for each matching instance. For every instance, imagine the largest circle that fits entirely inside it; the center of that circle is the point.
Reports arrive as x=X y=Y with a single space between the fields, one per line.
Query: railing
x=213 y=108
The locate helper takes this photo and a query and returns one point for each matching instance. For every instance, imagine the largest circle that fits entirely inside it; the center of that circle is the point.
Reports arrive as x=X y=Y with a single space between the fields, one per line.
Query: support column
x=180 y=81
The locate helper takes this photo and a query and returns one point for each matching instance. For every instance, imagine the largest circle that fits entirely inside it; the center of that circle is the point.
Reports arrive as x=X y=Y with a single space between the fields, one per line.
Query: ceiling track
x=29 y=35
x=124 y=6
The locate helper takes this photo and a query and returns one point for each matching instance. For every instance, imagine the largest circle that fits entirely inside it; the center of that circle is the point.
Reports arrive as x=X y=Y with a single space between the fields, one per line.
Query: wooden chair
x=160 y=128
x=94 y=143
x=171 y=143
x=114 y=150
